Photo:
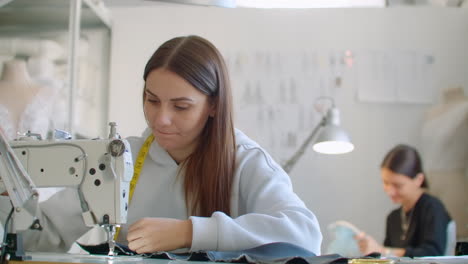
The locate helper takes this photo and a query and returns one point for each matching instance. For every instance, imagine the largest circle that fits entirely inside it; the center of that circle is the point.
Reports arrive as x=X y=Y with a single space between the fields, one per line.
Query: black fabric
x=427 y=232
x=103 y=249
x=274 y=253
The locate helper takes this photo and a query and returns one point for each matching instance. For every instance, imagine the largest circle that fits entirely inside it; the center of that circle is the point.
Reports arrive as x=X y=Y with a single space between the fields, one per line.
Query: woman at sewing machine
x=204 y=185
x=419 y=226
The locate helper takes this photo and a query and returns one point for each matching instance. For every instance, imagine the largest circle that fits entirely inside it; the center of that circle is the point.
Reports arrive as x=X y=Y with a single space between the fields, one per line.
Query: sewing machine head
x=100 y=170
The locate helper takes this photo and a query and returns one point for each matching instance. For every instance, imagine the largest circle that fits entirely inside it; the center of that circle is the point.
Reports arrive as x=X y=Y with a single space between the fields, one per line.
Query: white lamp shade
x=333 y=140
x=328 y=136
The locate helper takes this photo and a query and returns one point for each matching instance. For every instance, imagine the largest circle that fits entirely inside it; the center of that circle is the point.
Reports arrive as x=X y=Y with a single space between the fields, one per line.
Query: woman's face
x=176 y=112
x=400 y=188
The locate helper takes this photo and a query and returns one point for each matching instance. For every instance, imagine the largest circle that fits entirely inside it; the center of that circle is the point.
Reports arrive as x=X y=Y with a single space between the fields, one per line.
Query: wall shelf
x=83 y=28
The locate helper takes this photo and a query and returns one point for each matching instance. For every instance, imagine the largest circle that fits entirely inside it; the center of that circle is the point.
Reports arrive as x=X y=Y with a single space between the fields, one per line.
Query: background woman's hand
x=367 y=244
x=149 y=235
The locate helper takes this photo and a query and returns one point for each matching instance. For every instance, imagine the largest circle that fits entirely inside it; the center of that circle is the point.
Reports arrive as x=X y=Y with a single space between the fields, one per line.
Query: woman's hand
x=3 y=191
x=149 y=235
x=367 y=244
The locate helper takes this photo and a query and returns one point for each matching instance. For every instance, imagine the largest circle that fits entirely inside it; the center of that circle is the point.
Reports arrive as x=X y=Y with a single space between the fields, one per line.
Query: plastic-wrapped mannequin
x=445 y=152
x=16 y=92
x=23 y=103
x=43 y=72
x=26 y=103
x=24 y=107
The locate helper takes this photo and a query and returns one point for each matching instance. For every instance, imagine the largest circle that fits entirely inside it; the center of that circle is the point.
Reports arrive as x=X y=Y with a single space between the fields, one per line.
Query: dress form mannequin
x=445 y=154
x=43 y=71
x=23 y=103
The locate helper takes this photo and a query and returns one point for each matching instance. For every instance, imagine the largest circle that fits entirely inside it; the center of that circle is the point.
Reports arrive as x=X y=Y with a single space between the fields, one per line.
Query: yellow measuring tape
x=138 y=166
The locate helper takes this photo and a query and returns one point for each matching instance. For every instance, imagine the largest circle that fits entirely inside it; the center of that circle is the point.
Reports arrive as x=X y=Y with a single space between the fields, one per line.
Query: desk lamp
x=331 y=138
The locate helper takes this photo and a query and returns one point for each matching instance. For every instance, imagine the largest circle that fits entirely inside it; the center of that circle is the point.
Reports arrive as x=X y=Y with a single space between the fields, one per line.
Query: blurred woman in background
x=419 y=226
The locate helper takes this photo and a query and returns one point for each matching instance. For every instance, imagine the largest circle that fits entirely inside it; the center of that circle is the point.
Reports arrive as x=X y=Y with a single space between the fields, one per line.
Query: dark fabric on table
x=274 y=253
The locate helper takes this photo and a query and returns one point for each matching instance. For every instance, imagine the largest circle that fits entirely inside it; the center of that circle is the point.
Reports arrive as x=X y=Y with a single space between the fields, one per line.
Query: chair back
x=451 y=239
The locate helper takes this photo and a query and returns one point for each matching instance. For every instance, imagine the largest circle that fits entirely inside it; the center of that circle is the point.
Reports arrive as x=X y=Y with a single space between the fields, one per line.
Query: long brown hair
x=209 y=170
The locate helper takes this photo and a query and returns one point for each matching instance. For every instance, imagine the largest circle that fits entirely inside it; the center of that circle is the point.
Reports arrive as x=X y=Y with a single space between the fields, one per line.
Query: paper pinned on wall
x=375 y=72
x=274 y=92
x=395 y=77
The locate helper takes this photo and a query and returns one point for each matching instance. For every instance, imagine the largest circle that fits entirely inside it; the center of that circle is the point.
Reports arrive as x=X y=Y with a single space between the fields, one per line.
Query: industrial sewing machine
x=100 y=170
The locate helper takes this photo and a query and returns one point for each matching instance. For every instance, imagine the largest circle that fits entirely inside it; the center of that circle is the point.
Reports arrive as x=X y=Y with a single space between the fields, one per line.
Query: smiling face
x=176 y=112
x=400 y=188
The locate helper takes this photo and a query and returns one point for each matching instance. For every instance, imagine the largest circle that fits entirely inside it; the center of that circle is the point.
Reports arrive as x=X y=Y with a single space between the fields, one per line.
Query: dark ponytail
x=405 y=160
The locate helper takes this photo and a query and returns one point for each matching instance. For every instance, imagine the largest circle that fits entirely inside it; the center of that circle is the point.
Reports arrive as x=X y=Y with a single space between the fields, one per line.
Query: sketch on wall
x=274 y=94
x=395 y=76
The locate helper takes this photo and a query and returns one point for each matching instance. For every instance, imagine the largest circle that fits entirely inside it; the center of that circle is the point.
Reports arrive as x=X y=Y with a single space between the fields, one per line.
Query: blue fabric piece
x=343 y=241
x=274 y=253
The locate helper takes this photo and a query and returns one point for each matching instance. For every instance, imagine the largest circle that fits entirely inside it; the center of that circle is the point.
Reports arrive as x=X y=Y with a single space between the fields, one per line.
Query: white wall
x=334 y=187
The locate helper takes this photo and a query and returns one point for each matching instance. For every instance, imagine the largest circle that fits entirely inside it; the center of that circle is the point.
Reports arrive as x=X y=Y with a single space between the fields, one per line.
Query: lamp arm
x=289 y=164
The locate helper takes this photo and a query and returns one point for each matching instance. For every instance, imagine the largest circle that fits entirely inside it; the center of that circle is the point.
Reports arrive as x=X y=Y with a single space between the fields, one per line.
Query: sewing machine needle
x=110 y=239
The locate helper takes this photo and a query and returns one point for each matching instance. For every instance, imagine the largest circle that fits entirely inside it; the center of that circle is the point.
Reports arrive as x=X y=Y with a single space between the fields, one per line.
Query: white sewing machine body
x=99 y=169
x=88 y=165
